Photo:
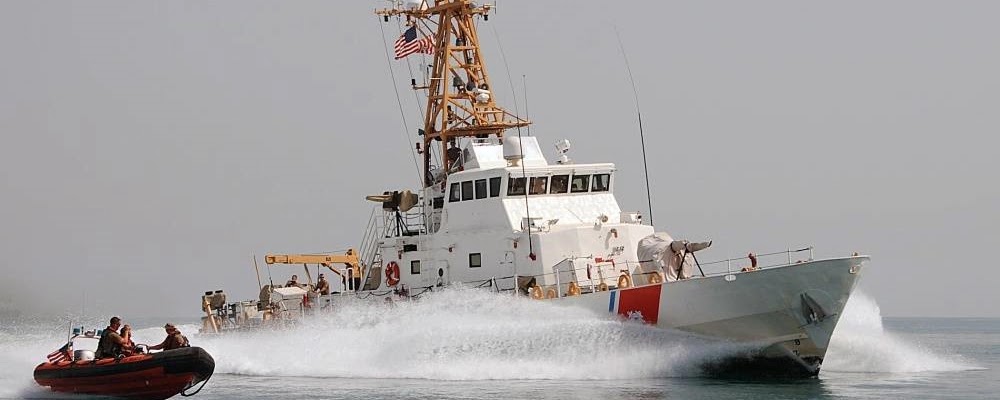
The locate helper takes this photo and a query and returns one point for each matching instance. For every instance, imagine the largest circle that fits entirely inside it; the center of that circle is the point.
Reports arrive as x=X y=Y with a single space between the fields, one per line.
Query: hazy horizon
x=149 y=148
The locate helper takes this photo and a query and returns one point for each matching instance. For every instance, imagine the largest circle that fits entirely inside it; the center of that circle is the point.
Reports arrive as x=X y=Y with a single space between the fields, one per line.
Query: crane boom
x=349 y=258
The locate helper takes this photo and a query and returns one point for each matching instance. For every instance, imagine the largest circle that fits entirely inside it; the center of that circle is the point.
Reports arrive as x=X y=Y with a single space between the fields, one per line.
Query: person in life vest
x=323 y=286
x=174 y=340
x=126 y=334
x=112 y=344
x=293 y=282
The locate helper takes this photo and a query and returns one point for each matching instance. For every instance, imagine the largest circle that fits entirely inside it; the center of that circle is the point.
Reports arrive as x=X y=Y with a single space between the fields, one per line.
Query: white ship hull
x=789 y=312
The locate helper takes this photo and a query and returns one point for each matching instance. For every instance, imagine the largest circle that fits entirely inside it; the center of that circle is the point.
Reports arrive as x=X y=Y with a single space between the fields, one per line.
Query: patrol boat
x=493 y=212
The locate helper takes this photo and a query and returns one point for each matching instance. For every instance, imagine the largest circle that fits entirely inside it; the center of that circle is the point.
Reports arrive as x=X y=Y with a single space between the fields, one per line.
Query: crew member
x=111 y=344
x=293 y=282
x=174 y=340
x=753 y=263
x=323 y=286
x=454 y=154
x=126 y=334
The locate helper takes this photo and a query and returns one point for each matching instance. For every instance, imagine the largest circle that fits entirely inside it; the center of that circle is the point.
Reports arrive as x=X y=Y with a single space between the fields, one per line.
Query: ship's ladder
x=379 y=227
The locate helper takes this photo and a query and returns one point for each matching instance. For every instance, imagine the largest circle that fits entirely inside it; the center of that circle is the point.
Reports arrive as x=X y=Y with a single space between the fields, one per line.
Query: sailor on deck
x=323 y=286
x=293 y=282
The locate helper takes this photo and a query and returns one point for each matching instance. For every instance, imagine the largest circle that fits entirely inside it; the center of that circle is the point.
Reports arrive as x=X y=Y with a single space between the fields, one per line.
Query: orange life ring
x=551 y=293
x=392 y=273
x=655 y=278
x=573 y=289
x=624 y=281
x=536 y=293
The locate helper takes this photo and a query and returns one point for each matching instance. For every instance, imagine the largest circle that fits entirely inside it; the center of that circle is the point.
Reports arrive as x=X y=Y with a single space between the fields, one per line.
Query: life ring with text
x=392 y=273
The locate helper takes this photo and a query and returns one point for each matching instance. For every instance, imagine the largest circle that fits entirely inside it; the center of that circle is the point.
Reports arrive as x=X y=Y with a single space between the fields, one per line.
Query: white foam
x=464 y=335
x=20 y=354
x=861 y=344
x=475 y=335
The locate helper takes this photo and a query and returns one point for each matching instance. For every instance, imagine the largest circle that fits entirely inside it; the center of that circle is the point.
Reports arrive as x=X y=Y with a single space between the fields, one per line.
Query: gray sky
x=147 y=148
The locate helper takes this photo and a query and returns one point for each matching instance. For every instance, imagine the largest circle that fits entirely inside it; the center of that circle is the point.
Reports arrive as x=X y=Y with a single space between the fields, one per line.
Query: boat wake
x=473 y=335
x=861 y=344
x=465 y=335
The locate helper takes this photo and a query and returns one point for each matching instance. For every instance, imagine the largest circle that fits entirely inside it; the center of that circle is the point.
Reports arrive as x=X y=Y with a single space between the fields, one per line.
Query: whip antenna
x=642 y=139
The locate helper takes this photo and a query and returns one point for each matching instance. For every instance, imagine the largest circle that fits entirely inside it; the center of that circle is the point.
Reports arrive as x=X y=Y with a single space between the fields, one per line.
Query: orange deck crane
x=351 y=275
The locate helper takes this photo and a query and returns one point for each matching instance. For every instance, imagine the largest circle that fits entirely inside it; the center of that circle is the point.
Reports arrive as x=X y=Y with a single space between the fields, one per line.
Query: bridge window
x=602 y=183
x=466 y=190
x=480 y=188
x=560 y=184
x=415 y=267
x=495 y=186
x=580 y=183
x=475 y=260
x=453 y=193
x=539 y=184
x=515 y=187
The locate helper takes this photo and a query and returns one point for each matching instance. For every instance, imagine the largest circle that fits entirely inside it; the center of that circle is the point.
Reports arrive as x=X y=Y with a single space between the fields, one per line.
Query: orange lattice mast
x=460 y=101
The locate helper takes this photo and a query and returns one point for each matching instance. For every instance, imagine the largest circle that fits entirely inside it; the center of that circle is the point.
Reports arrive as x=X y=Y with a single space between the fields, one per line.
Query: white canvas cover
x=660 y=252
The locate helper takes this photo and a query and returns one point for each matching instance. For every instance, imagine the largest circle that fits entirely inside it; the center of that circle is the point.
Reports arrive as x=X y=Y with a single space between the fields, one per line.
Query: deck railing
x=509 y=283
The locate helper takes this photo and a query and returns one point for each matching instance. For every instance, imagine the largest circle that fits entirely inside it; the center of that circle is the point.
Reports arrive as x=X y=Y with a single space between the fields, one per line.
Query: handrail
x=787 y=252
x=493 y=282
x=629 y=264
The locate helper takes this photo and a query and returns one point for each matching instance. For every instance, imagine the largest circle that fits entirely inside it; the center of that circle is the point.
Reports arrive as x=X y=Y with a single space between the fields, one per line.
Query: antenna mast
x=460 y=101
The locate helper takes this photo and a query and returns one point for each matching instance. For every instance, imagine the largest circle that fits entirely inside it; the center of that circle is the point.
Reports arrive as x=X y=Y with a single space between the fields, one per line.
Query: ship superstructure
x=493 y=212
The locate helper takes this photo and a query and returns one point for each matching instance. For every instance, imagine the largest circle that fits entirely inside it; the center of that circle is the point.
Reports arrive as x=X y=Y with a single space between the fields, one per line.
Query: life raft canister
x=392 y=273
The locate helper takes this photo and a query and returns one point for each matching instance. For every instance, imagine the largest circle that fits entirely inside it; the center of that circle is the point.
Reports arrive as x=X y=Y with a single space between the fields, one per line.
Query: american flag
x=408 y=44
x=62 y=354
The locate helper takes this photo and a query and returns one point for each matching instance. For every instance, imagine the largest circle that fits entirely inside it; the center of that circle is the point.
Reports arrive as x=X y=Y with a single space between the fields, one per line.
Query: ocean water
x=469 y=344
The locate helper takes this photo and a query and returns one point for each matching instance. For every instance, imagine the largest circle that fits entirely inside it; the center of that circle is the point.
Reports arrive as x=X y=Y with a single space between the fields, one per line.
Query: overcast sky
x=148 y=148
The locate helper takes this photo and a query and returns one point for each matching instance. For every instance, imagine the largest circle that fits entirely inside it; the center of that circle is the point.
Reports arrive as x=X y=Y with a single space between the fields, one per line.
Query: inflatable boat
x=142 y=376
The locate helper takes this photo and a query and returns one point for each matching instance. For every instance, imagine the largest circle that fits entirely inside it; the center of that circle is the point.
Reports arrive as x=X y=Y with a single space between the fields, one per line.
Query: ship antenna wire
x=506 y=66
x=416 y=96
x=527 y=114
x=527 y=209
x=255 y=268
x=392 y=77
x=520 y=145
x=642 y=139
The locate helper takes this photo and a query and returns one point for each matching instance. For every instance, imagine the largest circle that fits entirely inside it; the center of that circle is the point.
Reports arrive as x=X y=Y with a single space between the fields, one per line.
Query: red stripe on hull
x=642 y=300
